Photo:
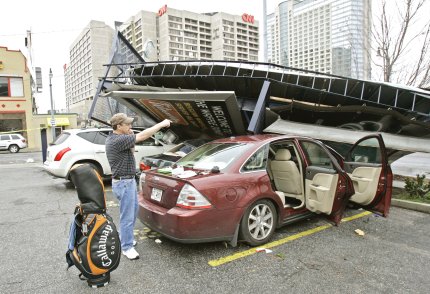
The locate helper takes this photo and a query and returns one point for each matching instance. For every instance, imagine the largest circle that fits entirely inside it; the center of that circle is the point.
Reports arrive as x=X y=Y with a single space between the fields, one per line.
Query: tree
x=401 y=33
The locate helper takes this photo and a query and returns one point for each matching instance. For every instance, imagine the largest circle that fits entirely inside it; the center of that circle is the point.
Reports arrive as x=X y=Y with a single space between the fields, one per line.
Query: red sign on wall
x=248 y=18
x=162 y=10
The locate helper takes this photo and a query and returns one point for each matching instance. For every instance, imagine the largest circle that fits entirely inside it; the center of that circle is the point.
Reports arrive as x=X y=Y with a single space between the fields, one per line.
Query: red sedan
x=243 y=188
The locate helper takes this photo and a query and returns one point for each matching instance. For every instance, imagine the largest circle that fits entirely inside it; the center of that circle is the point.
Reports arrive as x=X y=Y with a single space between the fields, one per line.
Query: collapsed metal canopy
x=392 y=142
x=246 y=79
x=293 y=94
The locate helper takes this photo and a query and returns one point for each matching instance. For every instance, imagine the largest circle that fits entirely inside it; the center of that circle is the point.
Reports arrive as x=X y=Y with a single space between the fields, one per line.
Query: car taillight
x=61 y=154
x=190 y=198
x=144 y=166
x=23 y=140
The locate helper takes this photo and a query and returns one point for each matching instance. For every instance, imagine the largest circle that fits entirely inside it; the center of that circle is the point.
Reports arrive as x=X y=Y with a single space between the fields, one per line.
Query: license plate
x=156 y=194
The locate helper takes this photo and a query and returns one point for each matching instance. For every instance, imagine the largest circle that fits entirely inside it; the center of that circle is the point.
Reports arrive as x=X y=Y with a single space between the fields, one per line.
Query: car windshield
x=213 y=155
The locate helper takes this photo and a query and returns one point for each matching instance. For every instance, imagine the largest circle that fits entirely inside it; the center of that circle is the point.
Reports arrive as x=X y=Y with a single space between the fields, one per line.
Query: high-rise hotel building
x=329 y=36
x=172 y=34
x=88 y=53
x=167 y=34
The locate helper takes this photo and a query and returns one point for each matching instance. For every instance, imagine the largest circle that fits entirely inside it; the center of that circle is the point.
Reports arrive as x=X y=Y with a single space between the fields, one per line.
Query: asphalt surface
x=393 y=256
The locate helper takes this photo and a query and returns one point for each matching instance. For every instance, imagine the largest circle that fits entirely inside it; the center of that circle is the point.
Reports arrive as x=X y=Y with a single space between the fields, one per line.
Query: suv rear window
x=15 y=137
x=60 y=139
x=95 y=137
x=101 y=137
x=89 y=136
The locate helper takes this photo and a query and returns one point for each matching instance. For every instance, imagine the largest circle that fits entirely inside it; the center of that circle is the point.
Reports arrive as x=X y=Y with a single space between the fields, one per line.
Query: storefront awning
x=59 y=121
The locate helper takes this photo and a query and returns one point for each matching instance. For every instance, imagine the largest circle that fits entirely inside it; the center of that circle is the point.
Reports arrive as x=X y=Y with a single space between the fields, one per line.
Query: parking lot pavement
x=393 y=255
x=22 y=157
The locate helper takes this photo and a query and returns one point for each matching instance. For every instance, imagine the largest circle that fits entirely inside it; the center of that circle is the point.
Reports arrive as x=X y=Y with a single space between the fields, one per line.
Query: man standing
x=120 y=154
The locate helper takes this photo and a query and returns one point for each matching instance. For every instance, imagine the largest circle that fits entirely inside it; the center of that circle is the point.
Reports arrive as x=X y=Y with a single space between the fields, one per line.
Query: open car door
x=367 y=165
x=327 y=186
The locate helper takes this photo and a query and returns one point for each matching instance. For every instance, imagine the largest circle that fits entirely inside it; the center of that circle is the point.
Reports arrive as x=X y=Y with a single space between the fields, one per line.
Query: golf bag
x=94 y=245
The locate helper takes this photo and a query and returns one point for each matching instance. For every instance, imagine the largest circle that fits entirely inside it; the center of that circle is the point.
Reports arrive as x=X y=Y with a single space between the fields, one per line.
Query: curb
x=422 y=207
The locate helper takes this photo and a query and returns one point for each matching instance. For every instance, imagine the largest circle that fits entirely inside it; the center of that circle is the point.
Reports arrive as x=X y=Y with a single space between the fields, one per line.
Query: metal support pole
x=257 y=120
x=52 y=107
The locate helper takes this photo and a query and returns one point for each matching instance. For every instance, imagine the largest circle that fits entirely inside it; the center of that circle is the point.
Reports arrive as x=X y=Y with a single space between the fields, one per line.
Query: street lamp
x=52 y=107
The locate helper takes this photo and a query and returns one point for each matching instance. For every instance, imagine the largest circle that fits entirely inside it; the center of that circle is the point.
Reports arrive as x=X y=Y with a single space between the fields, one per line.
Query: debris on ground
x=280 y=255
x=263 y=250
x=112 y=204
x=359 y=232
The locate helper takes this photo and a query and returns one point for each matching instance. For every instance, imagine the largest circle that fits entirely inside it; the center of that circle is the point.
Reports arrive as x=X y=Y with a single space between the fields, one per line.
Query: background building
x=168 y=34
x=173 y=34
x=329 y=36
x=16 y=97
x=88 y=53
x=17 y=106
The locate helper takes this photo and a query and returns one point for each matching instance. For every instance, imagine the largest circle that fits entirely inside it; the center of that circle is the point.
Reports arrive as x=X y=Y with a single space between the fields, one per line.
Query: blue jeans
x=126 y=192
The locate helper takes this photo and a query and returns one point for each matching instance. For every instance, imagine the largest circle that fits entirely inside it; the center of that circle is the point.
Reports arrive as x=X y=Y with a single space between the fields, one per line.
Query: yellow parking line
x=358 y=215
x=230 y=258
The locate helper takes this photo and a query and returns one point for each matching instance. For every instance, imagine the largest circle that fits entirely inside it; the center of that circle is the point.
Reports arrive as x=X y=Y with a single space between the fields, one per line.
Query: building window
x=11 y=87
x=174 y=18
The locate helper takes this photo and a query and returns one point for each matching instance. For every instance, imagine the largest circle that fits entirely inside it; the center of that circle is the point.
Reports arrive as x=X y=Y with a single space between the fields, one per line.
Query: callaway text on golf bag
x=94 y=245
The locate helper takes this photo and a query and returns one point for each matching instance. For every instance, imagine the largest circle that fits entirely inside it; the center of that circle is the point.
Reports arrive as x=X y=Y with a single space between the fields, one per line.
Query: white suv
x=88 y=146
x=12 y=142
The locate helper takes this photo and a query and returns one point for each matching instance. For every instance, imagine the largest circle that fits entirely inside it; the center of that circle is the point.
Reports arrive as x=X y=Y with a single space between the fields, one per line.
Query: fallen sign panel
x=214 y=114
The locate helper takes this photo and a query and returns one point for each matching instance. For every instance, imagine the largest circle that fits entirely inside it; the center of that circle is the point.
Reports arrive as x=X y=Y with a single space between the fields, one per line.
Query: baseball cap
x=120 y=118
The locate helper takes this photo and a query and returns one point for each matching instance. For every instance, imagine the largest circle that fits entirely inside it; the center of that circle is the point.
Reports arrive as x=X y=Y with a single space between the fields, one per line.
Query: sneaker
x=131 y=253
x=134 y=243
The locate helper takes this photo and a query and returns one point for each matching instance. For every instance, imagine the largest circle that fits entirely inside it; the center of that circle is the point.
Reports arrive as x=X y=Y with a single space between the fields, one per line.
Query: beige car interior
x=321 y=189
x=317 y=194
x=365 y=180
x=320 y=192
x=287 y=176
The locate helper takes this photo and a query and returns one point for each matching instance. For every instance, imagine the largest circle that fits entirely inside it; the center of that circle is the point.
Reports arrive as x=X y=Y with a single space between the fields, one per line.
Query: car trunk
x=170 y=186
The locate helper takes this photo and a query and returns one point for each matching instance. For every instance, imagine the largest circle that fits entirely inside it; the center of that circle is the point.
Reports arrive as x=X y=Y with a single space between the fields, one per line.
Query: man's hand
x=145 y=134
x=166 y=123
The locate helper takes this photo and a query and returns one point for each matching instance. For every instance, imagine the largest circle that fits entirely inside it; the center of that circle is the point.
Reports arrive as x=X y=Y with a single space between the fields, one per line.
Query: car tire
x=258 y=223
x=13 y=148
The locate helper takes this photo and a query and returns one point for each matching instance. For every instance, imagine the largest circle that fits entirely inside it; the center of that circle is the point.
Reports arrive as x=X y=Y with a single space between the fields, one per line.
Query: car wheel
x=13 y=148
x=258 y=223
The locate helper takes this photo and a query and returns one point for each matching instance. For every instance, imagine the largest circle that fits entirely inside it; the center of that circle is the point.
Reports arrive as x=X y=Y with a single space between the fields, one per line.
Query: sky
x=56 y=24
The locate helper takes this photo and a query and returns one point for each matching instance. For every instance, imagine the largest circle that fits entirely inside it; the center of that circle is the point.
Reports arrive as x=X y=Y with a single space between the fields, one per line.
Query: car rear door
x=4 y=141
x=327 y=186
x=367 y=165
x=100 y=150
